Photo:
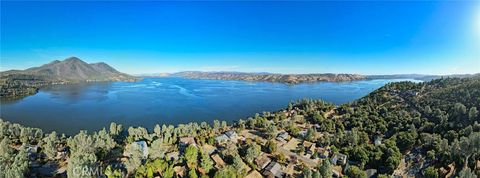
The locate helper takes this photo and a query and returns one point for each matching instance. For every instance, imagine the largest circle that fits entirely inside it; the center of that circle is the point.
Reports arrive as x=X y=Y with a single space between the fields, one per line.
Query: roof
x=179 y=170
x=209 y=148
x=143 y=147
x=283 y=134
x=371 y=172
x=218 y=160
x=221 y=138
x=274 y=169
x=340 y=155
x=187 y=140
x=254 y=174
x=262 y=161
x=231 y=133
x=307 y=144
x=173 y=155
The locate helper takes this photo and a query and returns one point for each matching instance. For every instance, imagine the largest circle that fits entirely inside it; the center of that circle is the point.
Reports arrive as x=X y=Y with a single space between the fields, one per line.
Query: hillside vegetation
x=405 y=129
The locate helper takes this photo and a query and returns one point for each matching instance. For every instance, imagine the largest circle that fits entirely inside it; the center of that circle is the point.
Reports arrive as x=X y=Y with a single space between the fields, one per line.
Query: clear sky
x=281 y=37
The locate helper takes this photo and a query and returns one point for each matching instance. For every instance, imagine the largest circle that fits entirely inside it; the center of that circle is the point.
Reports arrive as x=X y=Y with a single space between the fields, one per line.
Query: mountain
x=423 y=77
x=269 y=77
x=75 y=70
x=303 y=78
x=15 y=83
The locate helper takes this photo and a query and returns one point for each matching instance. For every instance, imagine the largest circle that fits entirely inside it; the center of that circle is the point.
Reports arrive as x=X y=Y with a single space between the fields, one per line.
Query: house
x=185 y=141
x=179 y=171
x=309 y=147
x=209 y=148
x=62 y=152
x=371 y=173
x=339 y=159
x=143 y=147
x=219 y=163
x=232 y=135
x=378 y=141
x=172 y=155
x=335 y=173
x=32 y=150
x=323 y=153
x=254 y=174
x=61 y=155
x=262 y=161
x=221 y=139
x=273 y=170
x=283 y=136
x=303 y=133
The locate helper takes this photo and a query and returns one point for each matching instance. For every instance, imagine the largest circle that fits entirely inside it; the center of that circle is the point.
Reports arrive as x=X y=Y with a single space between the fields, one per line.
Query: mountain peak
x=74 y=69
x=73 y=58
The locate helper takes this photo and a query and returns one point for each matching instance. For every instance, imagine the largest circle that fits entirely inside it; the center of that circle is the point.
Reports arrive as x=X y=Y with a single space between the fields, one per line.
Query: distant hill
x=16 y=83
x=423 y=77
x=302 y=78
x=269 y=77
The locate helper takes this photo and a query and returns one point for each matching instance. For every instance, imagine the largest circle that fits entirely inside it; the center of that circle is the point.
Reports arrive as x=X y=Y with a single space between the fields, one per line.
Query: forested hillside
x=428 y=129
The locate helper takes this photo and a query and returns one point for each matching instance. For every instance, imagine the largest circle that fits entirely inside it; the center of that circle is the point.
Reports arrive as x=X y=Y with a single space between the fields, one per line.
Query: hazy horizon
x=434 y=38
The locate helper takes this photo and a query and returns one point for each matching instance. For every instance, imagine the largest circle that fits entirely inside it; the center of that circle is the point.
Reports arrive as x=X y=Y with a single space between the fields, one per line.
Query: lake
x=92 y=106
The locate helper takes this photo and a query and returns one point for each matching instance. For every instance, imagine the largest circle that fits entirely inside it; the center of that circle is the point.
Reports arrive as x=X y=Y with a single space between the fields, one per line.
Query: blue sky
x=280 y=37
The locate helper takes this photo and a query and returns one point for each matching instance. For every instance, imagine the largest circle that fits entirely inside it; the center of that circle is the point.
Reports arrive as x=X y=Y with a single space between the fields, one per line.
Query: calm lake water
x=70 y=108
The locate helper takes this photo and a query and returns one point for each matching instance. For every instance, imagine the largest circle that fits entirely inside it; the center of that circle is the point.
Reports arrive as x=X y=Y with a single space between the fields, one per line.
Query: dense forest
x=429 y=129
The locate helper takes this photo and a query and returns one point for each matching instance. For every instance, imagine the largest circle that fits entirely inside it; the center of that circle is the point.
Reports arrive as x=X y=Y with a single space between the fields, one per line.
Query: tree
x=192 y=173
x=307 y=173
x=191 y=156
x=325 y=169
x=226 y=172
x=359 y=153
x=50 y=145
x=158 y=131
x=431 y=172
x=134 y=160
x=113 y=173
x=103 y=141
x=271 y=146
x=356 y=172
x=310 y=134
x=240 y=166
x=81 y=143
x=169 y=172
x=406 y=140
x=467 y=173
x=115 y=129
x=271 y=131
x=157 y=150
x=206 y=162
x=5 y=149
x=11 y=164
x=82 y=165
x=472 y=113
x=253 y=150
x=216 y=125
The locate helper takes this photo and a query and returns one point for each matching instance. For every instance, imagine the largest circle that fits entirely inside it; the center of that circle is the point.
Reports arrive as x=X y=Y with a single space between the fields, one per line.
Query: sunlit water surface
x=70 y=108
